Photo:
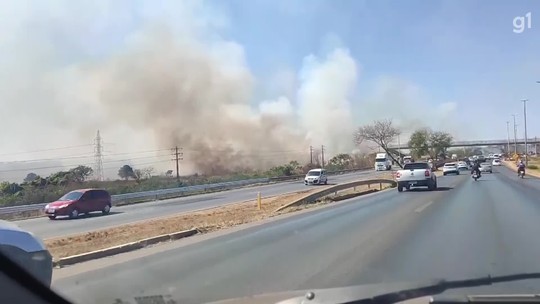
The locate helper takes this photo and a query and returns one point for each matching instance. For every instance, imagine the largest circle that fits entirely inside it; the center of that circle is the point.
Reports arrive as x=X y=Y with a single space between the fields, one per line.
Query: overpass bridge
x=478 y=143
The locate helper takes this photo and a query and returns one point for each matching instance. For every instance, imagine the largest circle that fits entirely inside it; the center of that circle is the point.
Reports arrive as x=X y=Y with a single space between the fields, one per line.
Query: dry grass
x=205 y=221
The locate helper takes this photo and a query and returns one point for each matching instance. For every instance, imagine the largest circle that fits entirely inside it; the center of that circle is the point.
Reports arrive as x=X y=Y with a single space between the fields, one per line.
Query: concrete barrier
x=309 y=198
x=98 y=254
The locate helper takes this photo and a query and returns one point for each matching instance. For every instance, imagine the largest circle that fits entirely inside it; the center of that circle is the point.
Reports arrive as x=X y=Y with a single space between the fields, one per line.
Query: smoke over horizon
x=188 y=95
x=164 y=75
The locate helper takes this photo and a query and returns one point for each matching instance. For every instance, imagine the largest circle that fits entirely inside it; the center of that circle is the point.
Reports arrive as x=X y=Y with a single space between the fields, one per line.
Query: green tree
x=7 y=188
x=60 y=178
x=419 y=143
x=342 y=161
x=30 y=177
x=80 y=173
x=126 y=172
x=440 y=142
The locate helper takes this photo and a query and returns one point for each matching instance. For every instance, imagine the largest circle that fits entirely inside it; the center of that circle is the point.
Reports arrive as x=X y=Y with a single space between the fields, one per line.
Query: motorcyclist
x=476 y=168
x=521 y=167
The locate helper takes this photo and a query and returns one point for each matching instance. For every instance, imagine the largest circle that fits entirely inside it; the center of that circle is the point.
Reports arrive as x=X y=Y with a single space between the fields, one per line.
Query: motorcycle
x=521 y=174
x=475 y=176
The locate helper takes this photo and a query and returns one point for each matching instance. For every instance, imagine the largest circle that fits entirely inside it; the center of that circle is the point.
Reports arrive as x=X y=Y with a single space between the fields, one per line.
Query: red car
x=80 y=201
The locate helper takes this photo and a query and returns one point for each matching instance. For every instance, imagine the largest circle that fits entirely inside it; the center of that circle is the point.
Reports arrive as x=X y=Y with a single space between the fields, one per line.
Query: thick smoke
x=189 y=95
x=160 y=74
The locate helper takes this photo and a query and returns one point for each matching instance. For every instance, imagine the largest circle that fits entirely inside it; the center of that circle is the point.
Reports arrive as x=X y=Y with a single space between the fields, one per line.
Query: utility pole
x=322 y=155
x=177 y=157
x=525 y=122
x=311 y=155
x=508 y=136
x=515 y=134
x=98 y=155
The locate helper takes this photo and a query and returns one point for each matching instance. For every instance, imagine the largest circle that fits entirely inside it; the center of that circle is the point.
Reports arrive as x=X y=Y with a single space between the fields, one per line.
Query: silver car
x=23 y=248
x=486 y=167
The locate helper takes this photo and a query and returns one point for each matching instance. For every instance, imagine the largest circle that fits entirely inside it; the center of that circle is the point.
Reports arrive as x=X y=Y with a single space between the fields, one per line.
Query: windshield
x=71 y=196
x=236 y=147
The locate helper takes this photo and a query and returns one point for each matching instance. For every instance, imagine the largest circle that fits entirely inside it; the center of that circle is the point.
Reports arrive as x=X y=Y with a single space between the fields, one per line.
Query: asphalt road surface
x=45 y=228
x=465 y=229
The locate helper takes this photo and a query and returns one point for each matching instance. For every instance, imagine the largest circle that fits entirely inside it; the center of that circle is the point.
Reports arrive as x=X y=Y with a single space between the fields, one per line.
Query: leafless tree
x=380 y=132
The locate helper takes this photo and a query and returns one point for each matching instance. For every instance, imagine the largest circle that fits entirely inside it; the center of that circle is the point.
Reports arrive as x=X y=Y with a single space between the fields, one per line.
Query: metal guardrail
x=319 y=194
x=180 y=191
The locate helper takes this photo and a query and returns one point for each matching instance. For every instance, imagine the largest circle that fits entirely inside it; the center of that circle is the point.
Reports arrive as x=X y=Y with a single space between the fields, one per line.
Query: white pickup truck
x=416 y=175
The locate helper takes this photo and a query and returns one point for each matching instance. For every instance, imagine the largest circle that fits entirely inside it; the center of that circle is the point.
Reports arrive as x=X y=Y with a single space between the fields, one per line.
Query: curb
x=98 y=254
x=351 y=195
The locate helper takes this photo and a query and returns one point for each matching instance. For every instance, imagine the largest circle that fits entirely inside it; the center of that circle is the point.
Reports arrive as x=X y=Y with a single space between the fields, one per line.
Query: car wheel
x=400 y=188
x=106 y=209
x=52 y=217
x=326 y=182
x=74 y=213
x=444 y=174
x=457 y=173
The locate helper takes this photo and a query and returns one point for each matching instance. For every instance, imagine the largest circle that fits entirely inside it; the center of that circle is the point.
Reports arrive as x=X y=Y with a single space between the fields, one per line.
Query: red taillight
x=426 y=173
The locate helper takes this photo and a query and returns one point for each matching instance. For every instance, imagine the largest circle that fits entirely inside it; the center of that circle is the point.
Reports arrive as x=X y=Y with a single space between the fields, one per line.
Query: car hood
x=59 y=203
x=331 y=295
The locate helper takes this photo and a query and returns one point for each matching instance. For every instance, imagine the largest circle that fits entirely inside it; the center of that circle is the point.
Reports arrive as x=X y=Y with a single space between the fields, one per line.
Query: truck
x=418 y=174
x=382 y=162
x=408 y=159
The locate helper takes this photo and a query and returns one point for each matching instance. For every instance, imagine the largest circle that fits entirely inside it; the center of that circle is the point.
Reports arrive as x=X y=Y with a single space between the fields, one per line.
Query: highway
x=45 y=228
x=465 y=229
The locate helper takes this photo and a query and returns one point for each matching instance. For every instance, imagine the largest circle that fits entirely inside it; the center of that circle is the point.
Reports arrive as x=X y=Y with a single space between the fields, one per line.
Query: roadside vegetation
x=36 y=189
x=383 y=133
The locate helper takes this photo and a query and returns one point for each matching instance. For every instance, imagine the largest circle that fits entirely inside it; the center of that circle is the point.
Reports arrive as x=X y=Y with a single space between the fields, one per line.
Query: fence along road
x=45 y=228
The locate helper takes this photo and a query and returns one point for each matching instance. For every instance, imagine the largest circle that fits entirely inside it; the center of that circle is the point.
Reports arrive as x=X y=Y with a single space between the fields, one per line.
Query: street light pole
x=515 y=134
x=525 y=122
x=508 y=136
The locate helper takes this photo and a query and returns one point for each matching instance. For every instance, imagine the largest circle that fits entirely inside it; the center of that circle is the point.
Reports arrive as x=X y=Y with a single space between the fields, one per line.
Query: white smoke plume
x=167 y=78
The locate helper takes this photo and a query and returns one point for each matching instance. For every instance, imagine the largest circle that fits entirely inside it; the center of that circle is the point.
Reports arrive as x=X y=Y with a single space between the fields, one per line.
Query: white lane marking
x=421 y=208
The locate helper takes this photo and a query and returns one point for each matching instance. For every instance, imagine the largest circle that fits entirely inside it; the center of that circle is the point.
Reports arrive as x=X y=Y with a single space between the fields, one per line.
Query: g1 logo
x=522 y=22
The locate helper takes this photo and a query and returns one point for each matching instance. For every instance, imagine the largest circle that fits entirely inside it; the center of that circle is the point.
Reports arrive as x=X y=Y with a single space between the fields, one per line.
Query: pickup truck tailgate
x=411 y=175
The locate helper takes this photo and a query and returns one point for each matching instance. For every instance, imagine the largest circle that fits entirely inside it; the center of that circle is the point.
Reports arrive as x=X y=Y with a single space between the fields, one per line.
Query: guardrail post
x=380 y=186
x=259 y=200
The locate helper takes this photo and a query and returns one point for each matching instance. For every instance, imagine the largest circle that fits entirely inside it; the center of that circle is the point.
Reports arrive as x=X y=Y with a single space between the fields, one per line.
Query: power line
x=45 y=150
x=85 y=164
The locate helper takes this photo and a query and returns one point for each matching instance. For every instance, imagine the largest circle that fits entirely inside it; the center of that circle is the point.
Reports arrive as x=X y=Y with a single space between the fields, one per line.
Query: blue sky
x=461 y=51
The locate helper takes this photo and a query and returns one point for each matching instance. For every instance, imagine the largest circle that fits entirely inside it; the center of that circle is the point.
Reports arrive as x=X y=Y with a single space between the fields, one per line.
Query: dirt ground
x=205 y=221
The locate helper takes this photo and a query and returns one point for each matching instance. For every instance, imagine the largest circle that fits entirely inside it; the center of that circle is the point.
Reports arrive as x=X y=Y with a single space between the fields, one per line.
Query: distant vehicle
x=382 y=162
x=462 y=165
x=316 y=177
x=25 y=249
x=481 y=158
x=408 y=159
x=450 y=168
x=486 y=167
x=497 y=155
x=496 y=162
x=417 y=174
x=454 y=156
x=78 y=202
